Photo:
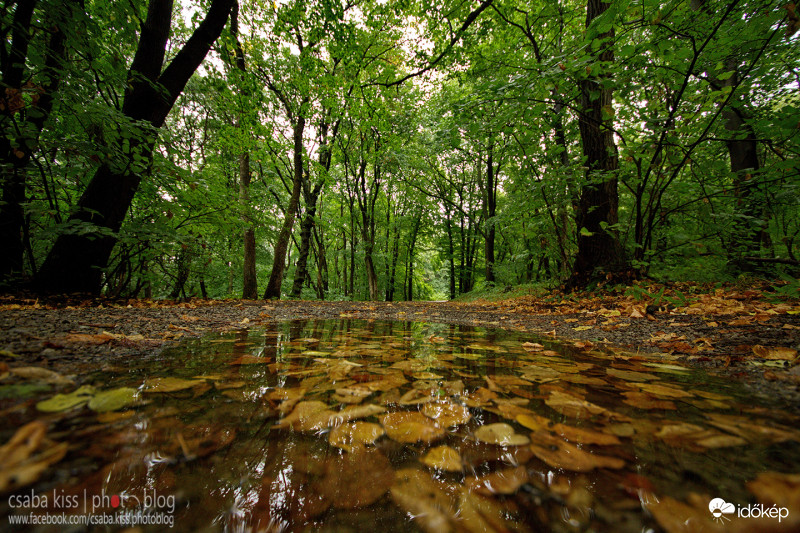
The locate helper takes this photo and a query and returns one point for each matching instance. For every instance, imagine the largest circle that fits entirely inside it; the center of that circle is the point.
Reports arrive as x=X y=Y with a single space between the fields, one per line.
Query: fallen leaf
x=112 y=400
x=64 y=402
x=170 y=384
x=560 y=454
x=775 y=352
x=85 y=338
x=307 y=416
x=501 y=434
x=357 y=479
x=424 y=499
x=643 y=400
x=678 y=517
x=443 y=458
x=506 y=481
x=40 y=374
x=571 y=433
x=447 y=414
x=355 y=435
x=410 y=427
x=777 y=488
x=19 y=466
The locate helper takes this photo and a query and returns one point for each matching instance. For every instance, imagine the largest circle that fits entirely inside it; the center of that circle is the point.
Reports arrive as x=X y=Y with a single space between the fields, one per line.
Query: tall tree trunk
x=412 y=244
x=306 y=228
x=599 y=248
x=282 y=245
x=450 y=253
x=490 y=206
x=743 y=153
x=249 y=279
x=75 y=262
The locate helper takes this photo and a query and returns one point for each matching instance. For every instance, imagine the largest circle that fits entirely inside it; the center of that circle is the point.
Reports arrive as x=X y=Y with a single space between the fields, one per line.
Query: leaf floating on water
x=664 y=391
x=477 y=513
x=506 y=481
x=575 y=407
x=112 y=400
x=40 y=374
x=443 y=458
x=170 y=384
x=411 y=426
x=532 y=347
x=678 y=517
x=754 y=433
x=425 y=499
x=355 y=435
x=19 y=466
x=354 y=394
x=479 y=398
x=571 y=433
x=64 y=402
x=352 y=412
x=501 y=434
x=357 y=479
x=776 y=488
x=559 y=453
x=642 y=400
x=630 y=375
x=307 y=416
x=447 y=414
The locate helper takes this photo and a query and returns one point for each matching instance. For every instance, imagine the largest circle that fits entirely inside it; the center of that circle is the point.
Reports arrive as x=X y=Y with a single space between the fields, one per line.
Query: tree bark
x=249 y=279
x=490 y=204
x=599 y=249
x=282 y=245
x=76 y=262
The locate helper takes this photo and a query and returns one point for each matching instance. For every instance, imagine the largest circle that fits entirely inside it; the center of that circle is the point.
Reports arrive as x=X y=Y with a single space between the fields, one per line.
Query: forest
x=395 y=149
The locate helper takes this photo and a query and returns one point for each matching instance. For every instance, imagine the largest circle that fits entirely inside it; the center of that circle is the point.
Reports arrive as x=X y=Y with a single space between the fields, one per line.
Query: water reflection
x=403 y=426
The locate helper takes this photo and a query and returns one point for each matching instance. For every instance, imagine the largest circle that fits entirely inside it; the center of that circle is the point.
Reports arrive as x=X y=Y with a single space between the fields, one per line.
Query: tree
x=599 y=248
x=76 y=260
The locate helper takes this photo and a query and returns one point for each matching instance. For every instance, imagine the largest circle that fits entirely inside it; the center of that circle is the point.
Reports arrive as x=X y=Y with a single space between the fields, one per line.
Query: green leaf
x=113 y=399
x=64 y=402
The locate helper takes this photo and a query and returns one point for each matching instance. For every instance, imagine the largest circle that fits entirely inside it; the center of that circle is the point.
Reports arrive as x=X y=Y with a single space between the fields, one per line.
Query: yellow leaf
x=443 y=458
x=501 y=434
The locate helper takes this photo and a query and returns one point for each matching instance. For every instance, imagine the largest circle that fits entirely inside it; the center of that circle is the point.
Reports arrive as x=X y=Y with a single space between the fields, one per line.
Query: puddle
x=388 y=426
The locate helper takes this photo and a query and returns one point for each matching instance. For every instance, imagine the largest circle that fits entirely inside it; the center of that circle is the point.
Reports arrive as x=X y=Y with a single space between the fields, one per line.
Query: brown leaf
x=425 y=499
x=411 y=426
x=447 y=414
x=19 y=465
x=560 y=454
x=501 y=434
x=775 y=353
x=357 y=479
x=505 y=481
x=355 y=435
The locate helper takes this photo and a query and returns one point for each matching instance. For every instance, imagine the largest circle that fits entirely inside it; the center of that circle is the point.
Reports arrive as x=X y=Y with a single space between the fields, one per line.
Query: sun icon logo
x=719 y=508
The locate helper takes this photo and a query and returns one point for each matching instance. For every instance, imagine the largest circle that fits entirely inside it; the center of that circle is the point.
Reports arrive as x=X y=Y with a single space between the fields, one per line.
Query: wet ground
x=230 y=417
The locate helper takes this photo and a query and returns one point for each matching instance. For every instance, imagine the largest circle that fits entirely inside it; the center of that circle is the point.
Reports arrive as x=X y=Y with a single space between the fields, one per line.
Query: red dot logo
x=115 y=501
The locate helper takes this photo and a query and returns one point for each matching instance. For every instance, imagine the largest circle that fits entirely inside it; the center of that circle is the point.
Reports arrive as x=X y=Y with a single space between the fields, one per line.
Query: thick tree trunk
x=282 y=246
x=599 y=249
x=75 y=262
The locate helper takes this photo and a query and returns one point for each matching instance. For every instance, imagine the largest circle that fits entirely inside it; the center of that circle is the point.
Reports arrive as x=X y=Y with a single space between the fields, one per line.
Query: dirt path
x=735 y=333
